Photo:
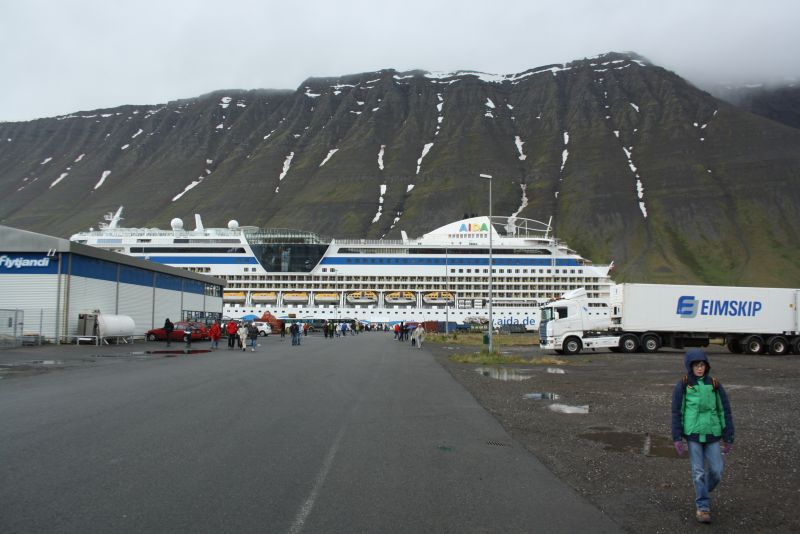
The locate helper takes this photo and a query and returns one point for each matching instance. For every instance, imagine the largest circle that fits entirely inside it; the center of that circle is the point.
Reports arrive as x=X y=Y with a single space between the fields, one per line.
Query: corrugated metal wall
x=36 y=296
x=193 y=301
x=87 y=295
x=167 y=304
x=137 y=302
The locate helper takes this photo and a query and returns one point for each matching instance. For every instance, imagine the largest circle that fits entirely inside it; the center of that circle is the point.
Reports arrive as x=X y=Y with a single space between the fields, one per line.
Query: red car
x=199 y=332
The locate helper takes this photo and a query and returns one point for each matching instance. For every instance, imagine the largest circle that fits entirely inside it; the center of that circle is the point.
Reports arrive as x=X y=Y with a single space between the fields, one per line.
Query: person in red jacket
x=215 y=332
x=231 y=328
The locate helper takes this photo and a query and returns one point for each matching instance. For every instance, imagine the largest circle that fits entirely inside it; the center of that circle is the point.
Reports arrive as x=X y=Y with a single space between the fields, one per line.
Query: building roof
x=16 y=240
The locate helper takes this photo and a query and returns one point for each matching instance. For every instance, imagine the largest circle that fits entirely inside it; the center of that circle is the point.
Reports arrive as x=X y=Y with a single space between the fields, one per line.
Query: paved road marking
x=308 y=505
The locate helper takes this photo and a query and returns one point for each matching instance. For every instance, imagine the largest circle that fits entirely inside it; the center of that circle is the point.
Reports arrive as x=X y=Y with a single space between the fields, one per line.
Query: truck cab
x=566 y=324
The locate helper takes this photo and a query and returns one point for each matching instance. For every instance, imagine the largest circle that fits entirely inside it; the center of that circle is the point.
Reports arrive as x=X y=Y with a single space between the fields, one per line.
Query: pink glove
x=680 y=448
x=727 y=447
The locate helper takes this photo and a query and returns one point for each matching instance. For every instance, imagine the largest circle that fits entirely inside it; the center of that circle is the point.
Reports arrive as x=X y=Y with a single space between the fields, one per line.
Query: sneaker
x=703 y=516
x=252 y=350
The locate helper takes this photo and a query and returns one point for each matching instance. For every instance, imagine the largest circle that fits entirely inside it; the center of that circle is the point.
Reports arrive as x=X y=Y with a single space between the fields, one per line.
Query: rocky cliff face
x=632 y=163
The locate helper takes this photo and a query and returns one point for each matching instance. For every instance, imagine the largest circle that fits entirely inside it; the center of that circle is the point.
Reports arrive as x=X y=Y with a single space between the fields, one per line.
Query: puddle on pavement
x=501 y=373
x=565 y=408
x=176 y=352
x=555 y=371
x=541 y=396
x=645 y=444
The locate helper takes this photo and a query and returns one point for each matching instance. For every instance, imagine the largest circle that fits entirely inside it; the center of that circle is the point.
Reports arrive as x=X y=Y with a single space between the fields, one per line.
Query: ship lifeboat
x=262 y=298
x=438 y=297
x=400 y=297
x=233 y=296
x=326 y=298
x=362 y=297
x=295 y=297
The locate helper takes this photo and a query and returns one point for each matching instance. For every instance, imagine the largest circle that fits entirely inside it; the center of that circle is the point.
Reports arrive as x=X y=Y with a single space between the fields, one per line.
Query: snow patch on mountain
x=287 y=163
x=425 y=151
x=102 y=179
x=331 y=152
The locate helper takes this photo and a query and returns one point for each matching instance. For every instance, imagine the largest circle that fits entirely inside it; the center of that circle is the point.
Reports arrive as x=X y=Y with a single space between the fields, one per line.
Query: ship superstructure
x=442 y=275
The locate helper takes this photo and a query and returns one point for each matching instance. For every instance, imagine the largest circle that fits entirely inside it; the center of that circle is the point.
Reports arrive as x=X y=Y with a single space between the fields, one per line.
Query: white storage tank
x=115 y=325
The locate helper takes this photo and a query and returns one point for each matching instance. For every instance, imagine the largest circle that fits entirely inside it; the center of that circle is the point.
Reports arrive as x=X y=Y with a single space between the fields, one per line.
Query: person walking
x=214 y=332
x=252 y=334
x=701 y=414
x=305 y=329
x=168 y=329
x=231 y=330
x=419 y=333
x=242 y=334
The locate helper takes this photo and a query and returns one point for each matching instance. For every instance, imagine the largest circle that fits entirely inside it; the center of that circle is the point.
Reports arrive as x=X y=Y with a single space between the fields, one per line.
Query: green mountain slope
x=632 y=163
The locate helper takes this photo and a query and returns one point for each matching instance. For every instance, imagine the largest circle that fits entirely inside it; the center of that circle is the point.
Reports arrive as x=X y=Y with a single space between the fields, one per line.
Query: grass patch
x=476 y=339
x=486 y=358
x=495 y=358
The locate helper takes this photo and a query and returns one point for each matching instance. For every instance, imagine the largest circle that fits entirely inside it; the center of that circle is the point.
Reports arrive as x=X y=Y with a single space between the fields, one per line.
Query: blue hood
x=695 y=355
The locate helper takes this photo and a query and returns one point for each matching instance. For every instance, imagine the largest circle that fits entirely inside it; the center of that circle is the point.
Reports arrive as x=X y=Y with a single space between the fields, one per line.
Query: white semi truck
x=645 y=317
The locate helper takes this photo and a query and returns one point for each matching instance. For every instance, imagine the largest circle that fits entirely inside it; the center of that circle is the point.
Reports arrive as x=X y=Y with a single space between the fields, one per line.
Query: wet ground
x=32 y=360
x=601 y=422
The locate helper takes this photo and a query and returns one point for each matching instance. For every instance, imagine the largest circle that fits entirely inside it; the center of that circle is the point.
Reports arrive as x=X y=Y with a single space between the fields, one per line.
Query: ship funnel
x=198 y=222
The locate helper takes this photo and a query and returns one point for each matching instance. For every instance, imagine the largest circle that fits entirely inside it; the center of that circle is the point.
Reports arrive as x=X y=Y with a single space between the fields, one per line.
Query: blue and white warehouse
x=51 y=282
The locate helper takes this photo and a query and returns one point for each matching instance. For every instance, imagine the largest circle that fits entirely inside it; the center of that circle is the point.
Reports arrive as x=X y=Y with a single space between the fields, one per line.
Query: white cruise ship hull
x=442 y=276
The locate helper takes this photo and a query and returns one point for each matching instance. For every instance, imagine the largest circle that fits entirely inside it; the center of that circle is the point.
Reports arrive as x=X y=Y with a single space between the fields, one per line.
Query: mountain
x=779 y=102
x=632 y=163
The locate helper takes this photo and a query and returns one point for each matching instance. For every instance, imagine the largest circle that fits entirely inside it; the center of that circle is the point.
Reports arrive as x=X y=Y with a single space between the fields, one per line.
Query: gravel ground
x=619 y=455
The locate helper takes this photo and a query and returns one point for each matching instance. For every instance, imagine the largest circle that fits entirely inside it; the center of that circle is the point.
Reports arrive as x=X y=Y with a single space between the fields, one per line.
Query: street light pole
x=491 y=264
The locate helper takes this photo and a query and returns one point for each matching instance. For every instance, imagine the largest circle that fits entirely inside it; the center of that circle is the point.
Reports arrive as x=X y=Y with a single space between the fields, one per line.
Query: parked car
x=264 y=329
x=199 y=332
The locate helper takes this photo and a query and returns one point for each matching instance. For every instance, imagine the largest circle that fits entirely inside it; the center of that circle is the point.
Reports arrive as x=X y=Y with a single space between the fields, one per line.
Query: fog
x=63 y=56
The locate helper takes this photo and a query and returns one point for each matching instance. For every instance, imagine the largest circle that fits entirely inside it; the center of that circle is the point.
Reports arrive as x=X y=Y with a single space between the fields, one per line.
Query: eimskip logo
x=687 y=307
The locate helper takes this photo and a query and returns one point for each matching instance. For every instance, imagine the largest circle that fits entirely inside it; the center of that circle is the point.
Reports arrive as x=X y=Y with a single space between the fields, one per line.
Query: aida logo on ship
x=472 y=227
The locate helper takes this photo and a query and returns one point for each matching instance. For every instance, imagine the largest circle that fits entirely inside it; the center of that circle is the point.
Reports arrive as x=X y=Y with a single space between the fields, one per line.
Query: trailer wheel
x=572 y=345
x=753 y=345
x=628 y=343
x=650 y=343
x=796 y=345
x=151 y=337
x=778 y=346
x=734 y=346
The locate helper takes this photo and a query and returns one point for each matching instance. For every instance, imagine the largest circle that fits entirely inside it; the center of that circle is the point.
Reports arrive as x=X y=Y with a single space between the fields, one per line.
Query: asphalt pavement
x=355 y=434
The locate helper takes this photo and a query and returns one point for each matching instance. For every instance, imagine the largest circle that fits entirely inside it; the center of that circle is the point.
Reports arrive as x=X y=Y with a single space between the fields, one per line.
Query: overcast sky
x=62 y=56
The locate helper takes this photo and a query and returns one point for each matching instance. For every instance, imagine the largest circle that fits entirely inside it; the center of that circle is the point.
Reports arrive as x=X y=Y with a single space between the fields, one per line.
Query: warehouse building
x=48 y=285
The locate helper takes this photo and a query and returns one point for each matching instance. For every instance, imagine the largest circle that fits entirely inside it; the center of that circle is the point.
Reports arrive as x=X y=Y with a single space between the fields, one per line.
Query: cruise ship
x=440 y=276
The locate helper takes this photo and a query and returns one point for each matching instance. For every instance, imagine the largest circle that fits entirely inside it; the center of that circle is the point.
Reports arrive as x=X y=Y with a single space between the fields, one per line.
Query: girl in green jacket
x=701 y=414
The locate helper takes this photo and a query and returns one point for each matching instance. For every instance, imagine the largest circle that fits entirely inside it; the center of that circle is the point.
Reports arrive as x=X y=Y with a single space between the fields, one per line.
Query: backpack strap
x=714 y=382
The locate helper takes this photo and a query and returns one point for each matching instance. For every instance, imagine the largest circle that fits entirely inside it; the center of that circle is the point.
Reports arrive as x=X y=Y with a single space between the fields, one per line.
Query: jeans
x=705 y=479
